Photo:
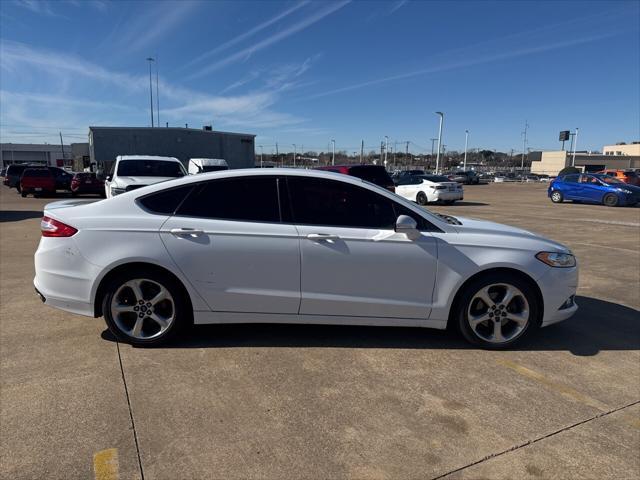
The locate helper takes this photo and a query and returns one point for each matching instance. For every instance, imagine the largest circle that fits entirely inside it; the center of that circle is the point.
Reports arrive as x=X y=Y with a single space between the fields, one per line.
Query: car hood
x=126 y=181
x=506 y=232
x=635 y=189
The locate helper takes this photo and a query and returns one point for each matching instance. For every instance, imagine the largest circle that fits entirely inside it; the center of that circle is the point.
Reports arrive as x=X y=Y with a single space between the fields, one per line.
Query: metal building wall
x=106 y=143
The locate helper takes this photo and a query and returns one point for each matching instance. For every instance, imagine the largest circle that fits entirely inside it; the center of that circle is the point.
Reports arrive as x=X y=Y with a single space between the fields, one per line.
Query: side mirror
x=107 y=178
x=407 y=225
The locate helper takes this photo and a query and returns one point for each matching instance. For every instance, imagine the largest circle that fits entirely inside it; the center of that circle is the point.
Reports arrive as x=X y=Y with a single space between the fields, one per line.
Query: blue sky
x=305 y=72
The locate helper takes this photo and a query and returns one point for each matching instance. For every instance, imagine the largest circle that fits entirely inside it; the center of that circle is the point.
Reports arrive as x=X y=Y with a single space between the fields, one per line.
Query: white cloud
x=127 y=95
x=247 y=34
x=154 y=21
x=245 y=53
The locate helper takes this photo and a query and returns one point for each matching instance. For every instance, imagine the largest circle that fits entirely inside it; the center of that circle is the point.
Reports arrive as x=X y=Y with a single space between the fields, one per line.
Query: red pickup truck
x=37 y=181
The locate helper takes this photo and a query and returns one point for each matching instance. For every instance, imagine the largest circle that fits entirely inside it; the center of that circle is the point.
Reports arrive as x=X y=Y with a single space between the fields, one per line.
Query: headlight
x=554 y=259
x=625 y=190
x=117 y=191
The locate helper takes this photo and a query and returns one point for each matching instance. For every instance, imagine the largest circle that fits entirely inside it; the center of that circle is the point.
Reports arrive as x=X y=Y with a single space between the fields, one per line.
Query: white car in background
x=295 y=246
x=424 y=189
x=130 y=172
x=204 y=165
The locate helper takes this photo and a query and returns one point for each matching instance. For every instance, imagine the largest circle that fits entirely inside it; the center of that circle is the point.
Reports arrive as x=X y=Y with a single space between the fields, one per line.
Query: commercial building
x=613 y=157
x=632 y=149
x=106 y=143
x=40 y=153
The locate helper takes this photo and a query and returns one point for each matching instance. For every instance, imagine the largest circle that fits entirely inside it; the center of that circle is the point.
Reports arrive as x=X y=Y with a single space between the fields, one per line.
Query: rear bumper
x=63 y=276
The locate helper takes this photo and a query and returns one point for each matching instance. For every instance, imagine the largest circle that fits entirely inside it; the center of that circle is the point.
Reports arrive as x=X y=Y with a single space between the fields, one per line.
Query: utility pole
x=381 y=151
x=575 y=144
x=294 y=155
x=333 y=152
x=524 y=145
x=439 y=141
x=158 y=95
x=361 y=151
x=150 y=59
x=466 y=143
x=261 y=154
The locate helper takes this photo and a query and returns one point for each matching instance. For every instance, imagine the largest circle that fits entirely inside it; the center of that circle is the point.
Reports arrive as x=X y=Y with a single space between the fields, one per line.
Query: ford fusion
x=293 y=246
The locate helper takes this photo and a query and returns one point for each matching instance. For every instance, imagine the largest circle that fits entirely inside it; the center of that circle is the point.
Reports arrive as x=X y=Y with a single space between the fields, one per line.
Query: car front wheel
x=556 y=197
x=145 y=308
x=497 y=311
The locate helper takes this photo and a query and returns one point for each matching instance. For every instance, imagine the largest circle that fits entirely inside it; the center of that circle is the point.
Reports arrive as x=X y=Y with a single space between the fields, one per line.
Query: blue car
x=593 y=188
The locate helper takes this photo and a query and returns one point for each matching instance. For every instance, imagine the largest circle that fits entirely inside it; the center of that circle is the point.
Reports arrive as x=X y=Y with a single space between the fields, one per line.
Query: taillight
x=53 y=228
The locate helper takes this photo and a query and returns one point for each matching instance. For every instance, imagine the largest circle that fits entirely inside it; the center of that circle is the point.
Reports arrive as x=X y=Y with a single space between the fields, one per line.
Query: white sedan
x=294 y=246
x=423 y=189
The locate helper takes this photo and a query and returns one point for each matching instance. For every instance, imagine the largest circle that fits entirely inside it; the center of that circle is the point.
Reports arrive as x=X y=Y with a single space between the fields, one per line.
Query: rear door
x=228 y=239
x=571 y=187
x=353 y=262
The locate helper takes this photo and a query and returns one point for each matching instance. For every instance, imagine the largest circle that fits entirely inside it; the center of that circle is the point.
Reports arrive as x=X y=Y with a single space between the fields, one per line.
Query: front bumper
x=557 y=286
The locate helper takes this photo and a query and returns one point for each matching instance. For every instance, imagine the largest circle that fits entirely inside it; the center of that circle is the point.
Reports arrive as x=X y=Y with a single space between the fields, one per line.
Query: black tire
x=556 y=197
x=182 y=309
x=610 y=200
x=74 y=194
x=23 y=194
x=18 y=188
x=463 y=304
x=421 y=198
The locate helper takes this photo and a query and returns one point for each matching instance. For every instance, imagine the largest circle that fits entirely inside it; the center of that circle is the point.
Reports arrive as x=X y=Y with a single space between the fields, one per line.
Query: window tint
x=165 y=201
x=36 y=172
x=571 y=178
x=318 y=201
x=253 y=199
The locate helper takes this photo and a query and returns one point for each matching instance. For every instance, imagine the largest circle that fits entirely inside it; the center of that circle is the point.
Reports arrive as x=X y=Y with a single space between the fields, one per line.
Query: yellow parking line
x=105 y=464
x=562 y=389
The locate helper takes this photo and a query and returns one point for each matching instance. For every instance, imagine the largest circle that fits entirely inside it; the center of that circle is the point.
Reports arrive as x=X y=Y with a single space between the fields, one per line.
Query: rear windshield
x=149 y=168
x=214 y=168
x=435 y=178
x=15 y=169
x=40 y=172
x=371 y=173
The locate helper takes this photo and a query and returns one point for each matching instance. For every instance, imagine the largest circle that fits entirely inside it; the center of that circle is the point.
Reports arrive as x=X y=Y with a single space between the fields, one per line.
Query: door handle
x=322 y=236
x=180 y=232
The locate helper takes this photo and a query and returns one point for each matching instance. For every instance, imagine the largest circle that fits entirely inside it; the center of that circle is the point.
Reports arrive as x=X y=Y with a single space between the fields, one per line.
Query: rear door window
x=250 y=199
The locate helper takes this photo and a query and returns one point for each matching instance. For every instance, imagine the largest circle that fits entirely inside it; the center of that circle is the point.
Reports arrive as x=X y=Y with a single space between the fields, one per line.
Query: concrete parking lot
x=277 y=401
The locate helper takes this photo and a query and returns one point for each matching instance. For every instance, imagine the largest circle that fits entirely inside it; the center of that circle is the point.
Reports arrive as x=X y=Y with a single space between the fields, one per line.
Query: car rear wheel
x=421 y=198
x=145 y=308
x=23 y=194
x=497 y=311
x=611 y=200
x=556 y=197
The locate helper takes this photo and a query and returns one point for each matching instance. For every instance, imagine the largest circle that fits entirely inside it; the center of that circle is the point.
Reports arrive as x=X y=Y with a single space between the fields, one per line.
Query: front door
x=353 y=262
x=228 y=240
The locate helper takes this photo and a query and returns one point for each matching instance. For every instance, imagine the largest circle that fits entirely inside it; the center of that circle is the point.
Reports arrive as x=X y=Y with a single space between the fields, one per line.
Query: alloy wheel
x=498 y=313
x=143 y=309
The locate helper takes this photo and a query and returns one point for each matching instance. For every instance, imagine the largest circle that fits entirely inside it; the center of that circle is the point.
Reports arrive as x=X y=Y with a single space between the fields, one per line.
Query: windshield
x=608 y=179
x=149 y=168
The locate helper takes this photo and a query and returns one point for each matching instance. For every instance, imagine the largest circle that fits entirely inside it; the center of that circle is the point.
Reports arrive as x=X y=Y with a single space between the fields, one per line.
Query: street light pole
x=261 y=154
x=524 y=145
x=150 y=59
x=466 y=143
x=333 y=152
x=386 y=147
x=294 y=155
x=439 y=141
x=575 y=144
